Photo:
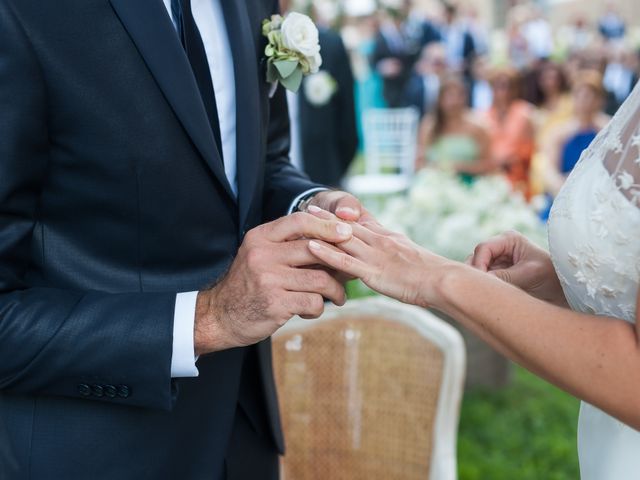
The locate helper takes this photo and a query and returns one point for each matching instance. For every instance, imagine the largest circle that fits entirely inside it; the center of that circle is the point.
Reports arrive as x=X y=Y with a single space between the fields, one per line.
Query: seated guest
x=577 y=133
x=555 y=107
x=451 y=138
x=510 y=123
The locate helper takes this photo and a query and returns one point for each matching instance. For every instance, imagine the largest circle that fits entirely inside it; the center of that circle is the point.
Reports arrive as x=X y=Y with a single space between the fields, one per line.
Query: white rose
x=319 y=88
x=314 y=63
x=300 y=34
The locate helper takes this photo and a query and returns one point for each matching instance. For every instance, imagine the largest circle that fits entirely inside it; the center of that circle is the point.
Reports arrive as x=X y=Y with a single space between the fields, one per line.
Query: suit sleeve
x=91 y=345
x=346 y=120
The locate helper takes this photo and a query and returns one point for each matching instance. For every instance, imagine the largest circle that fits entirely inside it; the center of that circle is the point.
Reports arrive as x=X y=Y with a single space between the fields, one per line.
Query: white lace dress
x=594 y=234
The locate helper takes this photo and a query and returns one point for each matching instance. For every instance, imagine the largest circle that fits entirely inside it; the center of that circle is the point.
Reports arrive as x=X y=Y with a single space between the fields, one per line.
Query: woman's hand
x=385 y=261
x=515 y=260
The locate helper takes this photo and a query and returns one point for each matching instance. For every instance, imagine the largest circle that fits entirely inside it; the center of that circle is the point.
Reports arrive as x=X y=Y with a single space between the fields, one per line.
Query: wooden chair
x=370 y=391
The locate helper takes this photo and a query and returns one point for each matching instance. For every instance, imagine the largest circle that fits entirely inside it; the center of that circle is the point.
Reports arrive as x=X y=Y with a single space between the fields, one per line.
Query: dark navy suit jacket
x=112 y=199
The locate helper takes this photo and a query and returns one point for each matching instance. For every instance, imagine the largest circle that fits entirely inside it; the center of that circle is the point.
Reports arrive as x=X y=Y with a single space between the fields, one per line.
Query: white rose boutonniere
x=319 y=88
x=293 y=50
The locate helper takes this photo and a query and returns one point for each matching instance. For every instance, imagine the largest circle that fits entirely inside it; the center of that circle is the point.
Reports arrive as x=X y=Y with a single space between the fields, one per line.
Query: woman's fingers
x=338 y=260
x=487 y=253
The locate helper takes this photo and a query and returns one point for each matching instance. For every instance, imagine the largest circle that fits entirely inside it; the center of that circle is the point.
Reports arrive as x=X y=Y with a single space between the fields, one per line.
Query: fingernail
x=314 y=245
x=344 y=230
x=347 y=210
x=313 y=209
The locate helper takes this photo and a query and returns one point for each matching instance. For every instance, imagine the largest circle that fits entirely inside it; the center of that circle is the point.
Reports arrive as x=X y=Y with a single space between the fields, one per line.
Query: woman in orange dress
x=510 y=123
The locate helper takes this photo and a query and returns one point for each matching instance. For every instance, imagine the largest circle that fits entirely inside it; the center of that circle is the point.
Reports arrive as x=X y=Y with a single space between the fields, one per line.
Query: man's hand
x=344 y=205
x=268 y=283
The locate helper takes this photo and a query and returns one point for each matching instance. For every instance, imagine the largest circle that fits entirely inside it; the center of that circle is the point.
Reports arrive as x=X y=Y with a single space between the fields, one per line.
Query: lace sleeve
x=622 y=144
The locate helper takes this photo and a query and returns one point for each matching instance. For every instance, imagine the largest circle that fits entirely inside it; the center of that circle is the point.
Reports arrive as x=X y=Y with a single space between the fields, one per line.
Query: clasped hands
x=275 y=276
x=289 y=266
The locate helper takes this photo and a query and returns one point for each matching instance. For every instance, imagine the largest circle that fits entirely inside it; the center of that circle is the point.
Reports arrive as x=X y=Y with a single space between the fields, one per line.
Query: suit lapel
x=248 y=130
x=151 y=30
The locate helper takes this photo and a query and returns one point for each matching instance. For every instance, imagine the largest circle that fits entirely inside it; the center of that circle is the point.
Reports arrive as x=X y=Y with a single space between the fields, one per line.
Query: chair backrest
x=370 y=391
x=390 y=139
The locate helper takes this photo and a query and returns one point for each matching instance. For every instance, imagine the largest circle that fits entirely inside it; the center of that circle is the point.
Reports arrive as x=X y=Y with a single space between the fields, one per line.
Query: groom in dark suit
x=138 y=146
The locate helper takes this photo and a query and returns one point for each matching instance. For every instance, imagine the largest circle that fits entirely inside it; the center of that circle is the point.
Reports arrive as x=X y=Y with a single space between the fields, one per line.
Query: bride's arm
x=594 y=358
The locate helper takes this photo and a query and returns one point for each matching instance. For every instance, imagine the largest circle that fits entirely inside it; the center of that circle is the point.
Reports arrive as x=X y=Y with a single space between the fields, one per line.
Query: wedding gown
x=594 y=235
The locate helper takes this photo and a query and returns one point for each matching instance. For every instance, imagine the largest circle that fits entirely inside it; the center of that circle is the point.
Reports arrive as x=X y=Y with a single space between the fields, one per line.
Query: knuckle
x=319 y=279
x=346 y=262
x=299 y=219
x=252 y=235
x=316 y=307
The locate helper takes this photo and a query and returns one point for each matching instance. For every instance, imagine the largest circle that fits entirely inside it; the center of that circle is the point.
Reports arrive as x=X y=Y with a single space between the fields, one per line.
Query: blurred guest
x=518 y=47
x=481 y=94
x=577 y=35
x=611 y=24
x=555 y=108
x=451 y=138
x=553 y=99
x=359 y=37
x=423 y=87
x=458 y=40
x=477 y=30
x=510 y=122
x=397 y=48
x=577 y=133
x=620 y=77
x=538 y=33
x=324 y=136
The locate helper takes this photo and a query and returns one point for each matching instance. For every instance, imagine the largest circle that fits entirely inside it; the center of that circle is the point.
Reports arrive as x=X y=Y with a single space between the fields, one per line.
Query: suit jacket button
x=97 y=390
x=110 y=391
x=124 y=391
x=84 y=389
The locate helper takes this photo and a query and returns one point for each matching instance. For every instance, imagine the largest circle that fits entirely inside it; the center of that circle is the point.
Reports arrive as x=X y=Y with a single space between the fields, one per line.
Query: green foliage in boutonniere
x=293 y=50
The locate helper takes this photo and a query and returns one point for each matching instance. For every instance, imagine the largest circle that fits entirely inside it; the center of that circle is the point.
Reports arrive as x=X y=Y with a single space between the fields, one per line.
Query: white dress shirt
x=295 y=152
x=213 y=30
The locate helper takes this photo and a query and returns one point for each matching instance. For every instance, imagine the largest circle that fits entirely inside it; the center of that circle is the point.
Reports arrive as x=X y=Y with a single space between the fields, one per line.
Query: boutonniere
x=293 y=50
x=319 y=88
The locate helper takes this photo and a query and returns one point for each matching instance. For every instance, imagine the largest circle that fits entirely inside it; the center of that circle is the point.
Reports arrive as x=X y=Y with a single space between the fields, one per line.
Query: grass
x=526 y=431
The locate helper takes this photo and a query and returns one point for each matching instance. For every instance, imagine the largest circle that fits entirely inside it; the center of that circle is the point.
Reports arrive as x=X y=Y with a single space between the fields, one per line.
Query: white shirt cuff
x=303 y=195
x=183 y=359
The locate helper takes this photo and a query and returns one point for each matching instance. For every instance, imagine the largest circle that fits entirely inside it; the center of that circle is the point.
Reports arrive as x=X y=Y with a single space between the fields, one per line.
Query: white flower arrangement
x=293 y=50
x=450 y=218
x=319 y=88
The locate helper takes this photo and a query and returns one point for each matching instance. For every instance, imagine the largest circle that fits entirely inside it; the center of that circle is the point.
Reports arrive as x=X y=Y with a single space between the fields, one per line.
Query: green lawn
x=526 y=431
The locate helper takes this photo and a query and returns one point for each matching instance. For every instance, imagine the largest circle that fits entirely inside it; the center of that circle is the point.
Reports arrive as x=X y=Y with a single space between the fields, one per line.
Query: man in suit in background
x=140 y=151
x=324 y=136
x=397 y=48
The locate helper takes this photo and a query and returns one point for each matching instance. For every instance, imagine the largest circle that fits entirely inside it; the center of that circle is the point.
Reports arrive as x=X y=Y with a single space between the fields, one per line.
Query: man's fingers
x=348 y=208
x=306 y=305
x=305 y=225
x=344 y=205
x=315 y=281
x=296 y=254
x=338 y=260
